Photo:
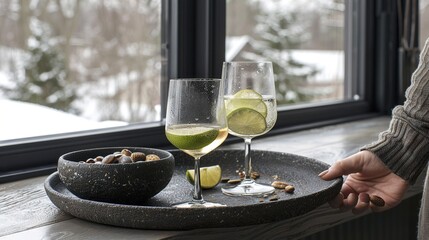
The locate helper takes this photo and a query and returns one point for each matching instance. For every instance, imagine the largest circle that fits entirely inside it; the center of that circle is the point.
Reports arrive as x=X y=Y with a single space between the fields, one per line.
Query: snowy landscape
x=77 y=65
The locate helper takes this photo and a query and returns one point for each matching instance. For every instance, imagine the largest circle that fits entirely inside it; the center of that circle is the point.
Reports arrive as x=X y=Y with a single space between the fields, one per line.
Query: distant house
x=329 y=63
x=235 y=46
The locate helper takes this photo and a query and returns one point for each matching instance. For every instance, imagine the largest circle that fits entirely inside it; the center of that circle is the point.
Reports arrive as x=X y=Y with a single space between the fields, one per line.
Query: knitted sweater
x=404 y=147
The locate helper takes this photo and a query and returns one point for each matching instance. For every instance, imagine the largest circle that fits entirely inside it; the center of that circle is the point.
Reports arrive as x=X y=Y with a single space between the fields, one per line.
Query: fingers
x=337 y=202
x=349 y=202
x=362 y=204
x=346 y=166
x=356 y=203
x=344 y=203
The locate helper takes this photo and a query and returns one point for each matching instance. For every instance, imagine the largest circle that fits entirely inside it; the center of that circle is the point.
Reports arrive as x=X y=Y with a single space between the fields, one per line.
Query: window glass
x=71 y=65
x=424 y=21
x=304 y=40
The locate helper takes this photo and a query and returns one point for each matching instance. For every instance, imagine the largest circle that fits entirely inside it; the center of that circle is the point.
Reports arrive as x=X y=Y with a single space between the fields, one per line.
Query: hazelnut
x=152 y=157
x=279 y=184
x=126 y=152
x=289 y=189
x=138 y=156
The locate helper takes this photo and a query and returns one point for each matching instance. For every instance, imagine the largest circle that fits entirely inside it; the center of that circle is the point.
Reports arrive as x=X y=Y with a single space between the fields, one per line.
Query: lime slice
x=247 y=93
x=246 y=98
x=191 y=138
x=246 y=121
x=209 y=176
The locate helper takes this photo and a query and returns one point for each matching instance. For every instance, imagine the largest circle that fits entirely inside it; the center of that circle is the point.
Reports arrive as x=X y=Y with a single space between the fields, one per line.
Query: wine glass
x=196 y=124
x=251 y=111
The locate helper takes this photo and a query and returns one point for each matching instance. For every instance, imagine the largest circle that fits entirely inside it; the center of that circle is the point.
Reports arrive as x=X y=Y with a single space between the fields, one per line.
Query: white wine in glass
x=196 y=124
x=251 y=111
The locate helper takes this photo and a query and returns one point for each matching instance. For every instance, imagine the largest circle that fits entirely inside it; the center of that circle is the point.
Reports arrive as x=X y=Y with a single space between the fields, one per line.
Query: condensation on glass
x=71 y=65
x=304 y=40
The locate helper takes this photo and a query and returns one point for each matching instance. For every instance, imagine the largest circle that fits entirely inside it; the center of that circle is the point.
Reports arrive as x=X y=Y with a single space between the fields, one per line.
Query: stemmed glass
x=196 y=124
x=251 y=111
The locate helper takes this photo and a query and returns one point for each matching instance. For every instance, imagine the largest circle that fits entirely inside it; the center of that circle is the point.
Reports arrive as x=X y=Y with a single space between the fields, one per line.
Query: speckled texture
x=127 y=183
x=157 y=213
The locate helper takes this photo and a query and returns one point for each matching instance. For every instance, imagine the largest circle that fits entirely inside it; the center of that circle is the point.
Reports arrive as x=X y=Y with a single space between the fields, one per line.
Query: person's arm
x=404 y=147
x=386 y=167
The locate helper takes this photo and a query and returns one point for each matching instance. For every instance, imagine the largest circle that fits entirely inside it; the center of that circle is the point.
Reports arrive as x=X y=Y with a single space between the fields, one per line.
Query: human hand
x=367 y=175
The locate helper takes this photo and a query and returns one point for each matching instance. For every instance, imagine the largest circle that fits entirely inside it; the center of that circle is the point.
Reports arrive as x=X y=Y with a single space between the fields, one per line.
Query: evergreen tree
x=45 y=80
x=277 y=33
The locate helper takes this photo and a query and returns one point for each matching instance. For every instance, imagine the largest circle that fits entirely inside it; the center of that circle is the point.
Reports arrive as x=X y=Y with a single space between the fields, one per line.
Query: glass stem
x=247 y=159
x=198 y=196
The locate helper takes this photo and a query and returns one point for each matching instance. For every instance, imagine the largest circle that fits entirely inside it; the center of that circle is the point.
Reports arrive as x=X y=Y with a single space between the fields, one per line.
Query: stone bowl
x=124 y=183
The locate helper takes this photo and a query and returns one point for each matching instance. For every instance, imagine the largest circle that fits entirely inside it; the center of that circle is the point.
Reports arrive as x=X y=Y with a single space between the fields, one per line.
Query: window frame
x=193 y=45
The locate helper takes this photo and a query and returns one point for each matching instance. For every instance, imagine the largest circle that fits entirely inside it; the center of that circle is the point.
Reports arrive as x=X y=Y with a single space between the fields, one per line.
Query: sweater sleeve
x=404 y=147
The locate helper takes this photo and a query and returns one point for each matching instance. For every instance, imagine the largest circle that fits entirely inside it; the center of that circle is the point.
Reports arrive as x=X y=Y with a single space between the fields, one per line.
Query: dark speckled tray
x=157 y=213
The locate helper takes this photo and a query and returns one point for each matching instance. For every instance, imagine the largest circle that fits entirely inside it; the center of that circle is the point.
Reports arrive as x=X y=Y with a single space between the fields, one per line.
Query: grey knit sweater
x=404 y=147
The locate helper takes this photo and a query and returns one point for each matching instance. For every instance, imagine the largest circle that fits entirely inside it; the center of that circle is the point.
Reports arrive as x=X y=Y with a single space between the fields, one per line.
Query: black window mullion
x=210 y=48
x=182 y=40
x=197 y=40
x=386 y=49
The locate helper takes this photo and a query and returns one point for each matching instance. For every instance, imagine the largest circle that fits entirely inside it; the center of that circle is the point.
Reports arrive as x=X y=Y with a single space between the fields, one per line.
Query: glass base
x=248 y=188
x=198 y=204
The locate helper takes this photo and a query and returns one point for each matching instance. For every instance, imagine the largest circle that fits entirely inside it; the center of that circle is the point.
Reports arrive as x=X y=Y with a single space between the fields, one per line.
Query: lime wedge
x=246 y=98
x=246 y=121
x=191 y=138
x=209 y=176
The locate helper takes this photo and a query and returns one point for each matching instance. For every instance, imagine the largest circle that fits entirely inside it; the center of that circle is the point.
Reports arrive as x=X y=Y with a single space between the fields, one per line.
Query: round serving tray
x=157 y=213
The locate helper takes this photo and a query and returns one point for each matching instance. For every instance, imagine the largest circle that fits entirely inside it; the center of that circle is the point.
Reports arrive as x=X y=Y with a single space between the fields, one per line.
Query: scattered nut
x=234 y=181
x=224 y=180
x=279 y=184
x=99 y=158
x=241 y=174
x=289 y=189
x=152 y=157
x=376 y=200
x=261 y=200
x=254 y=175
x=274 y=198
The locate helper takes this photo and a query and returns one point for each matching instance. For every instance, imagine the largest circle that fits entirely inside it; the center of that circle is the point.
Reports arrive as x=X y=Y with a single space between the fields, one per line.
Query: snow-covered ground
x=21 y=120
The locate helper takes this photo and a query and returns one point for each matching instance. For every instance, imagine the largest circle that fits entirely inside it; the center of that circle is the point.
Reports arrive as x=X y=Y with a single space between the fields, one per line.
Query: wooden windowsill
x=27 y=213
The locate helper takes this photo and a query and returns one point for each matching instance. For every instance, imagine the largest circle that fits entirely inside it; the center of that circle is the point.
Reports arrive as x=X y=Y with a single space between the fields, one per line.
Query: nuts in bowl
x=128 y=175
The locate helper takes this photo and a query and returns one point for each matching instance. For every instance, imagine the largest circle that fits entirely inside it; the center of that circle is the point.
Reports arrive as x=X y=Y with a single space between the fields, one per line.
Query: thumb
x=351 y=164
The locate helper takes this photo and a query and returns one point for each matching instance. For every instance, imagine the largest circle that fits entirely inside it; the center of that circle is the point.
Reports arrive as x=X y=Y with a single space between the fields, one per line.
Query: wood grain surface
x=27 y=213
